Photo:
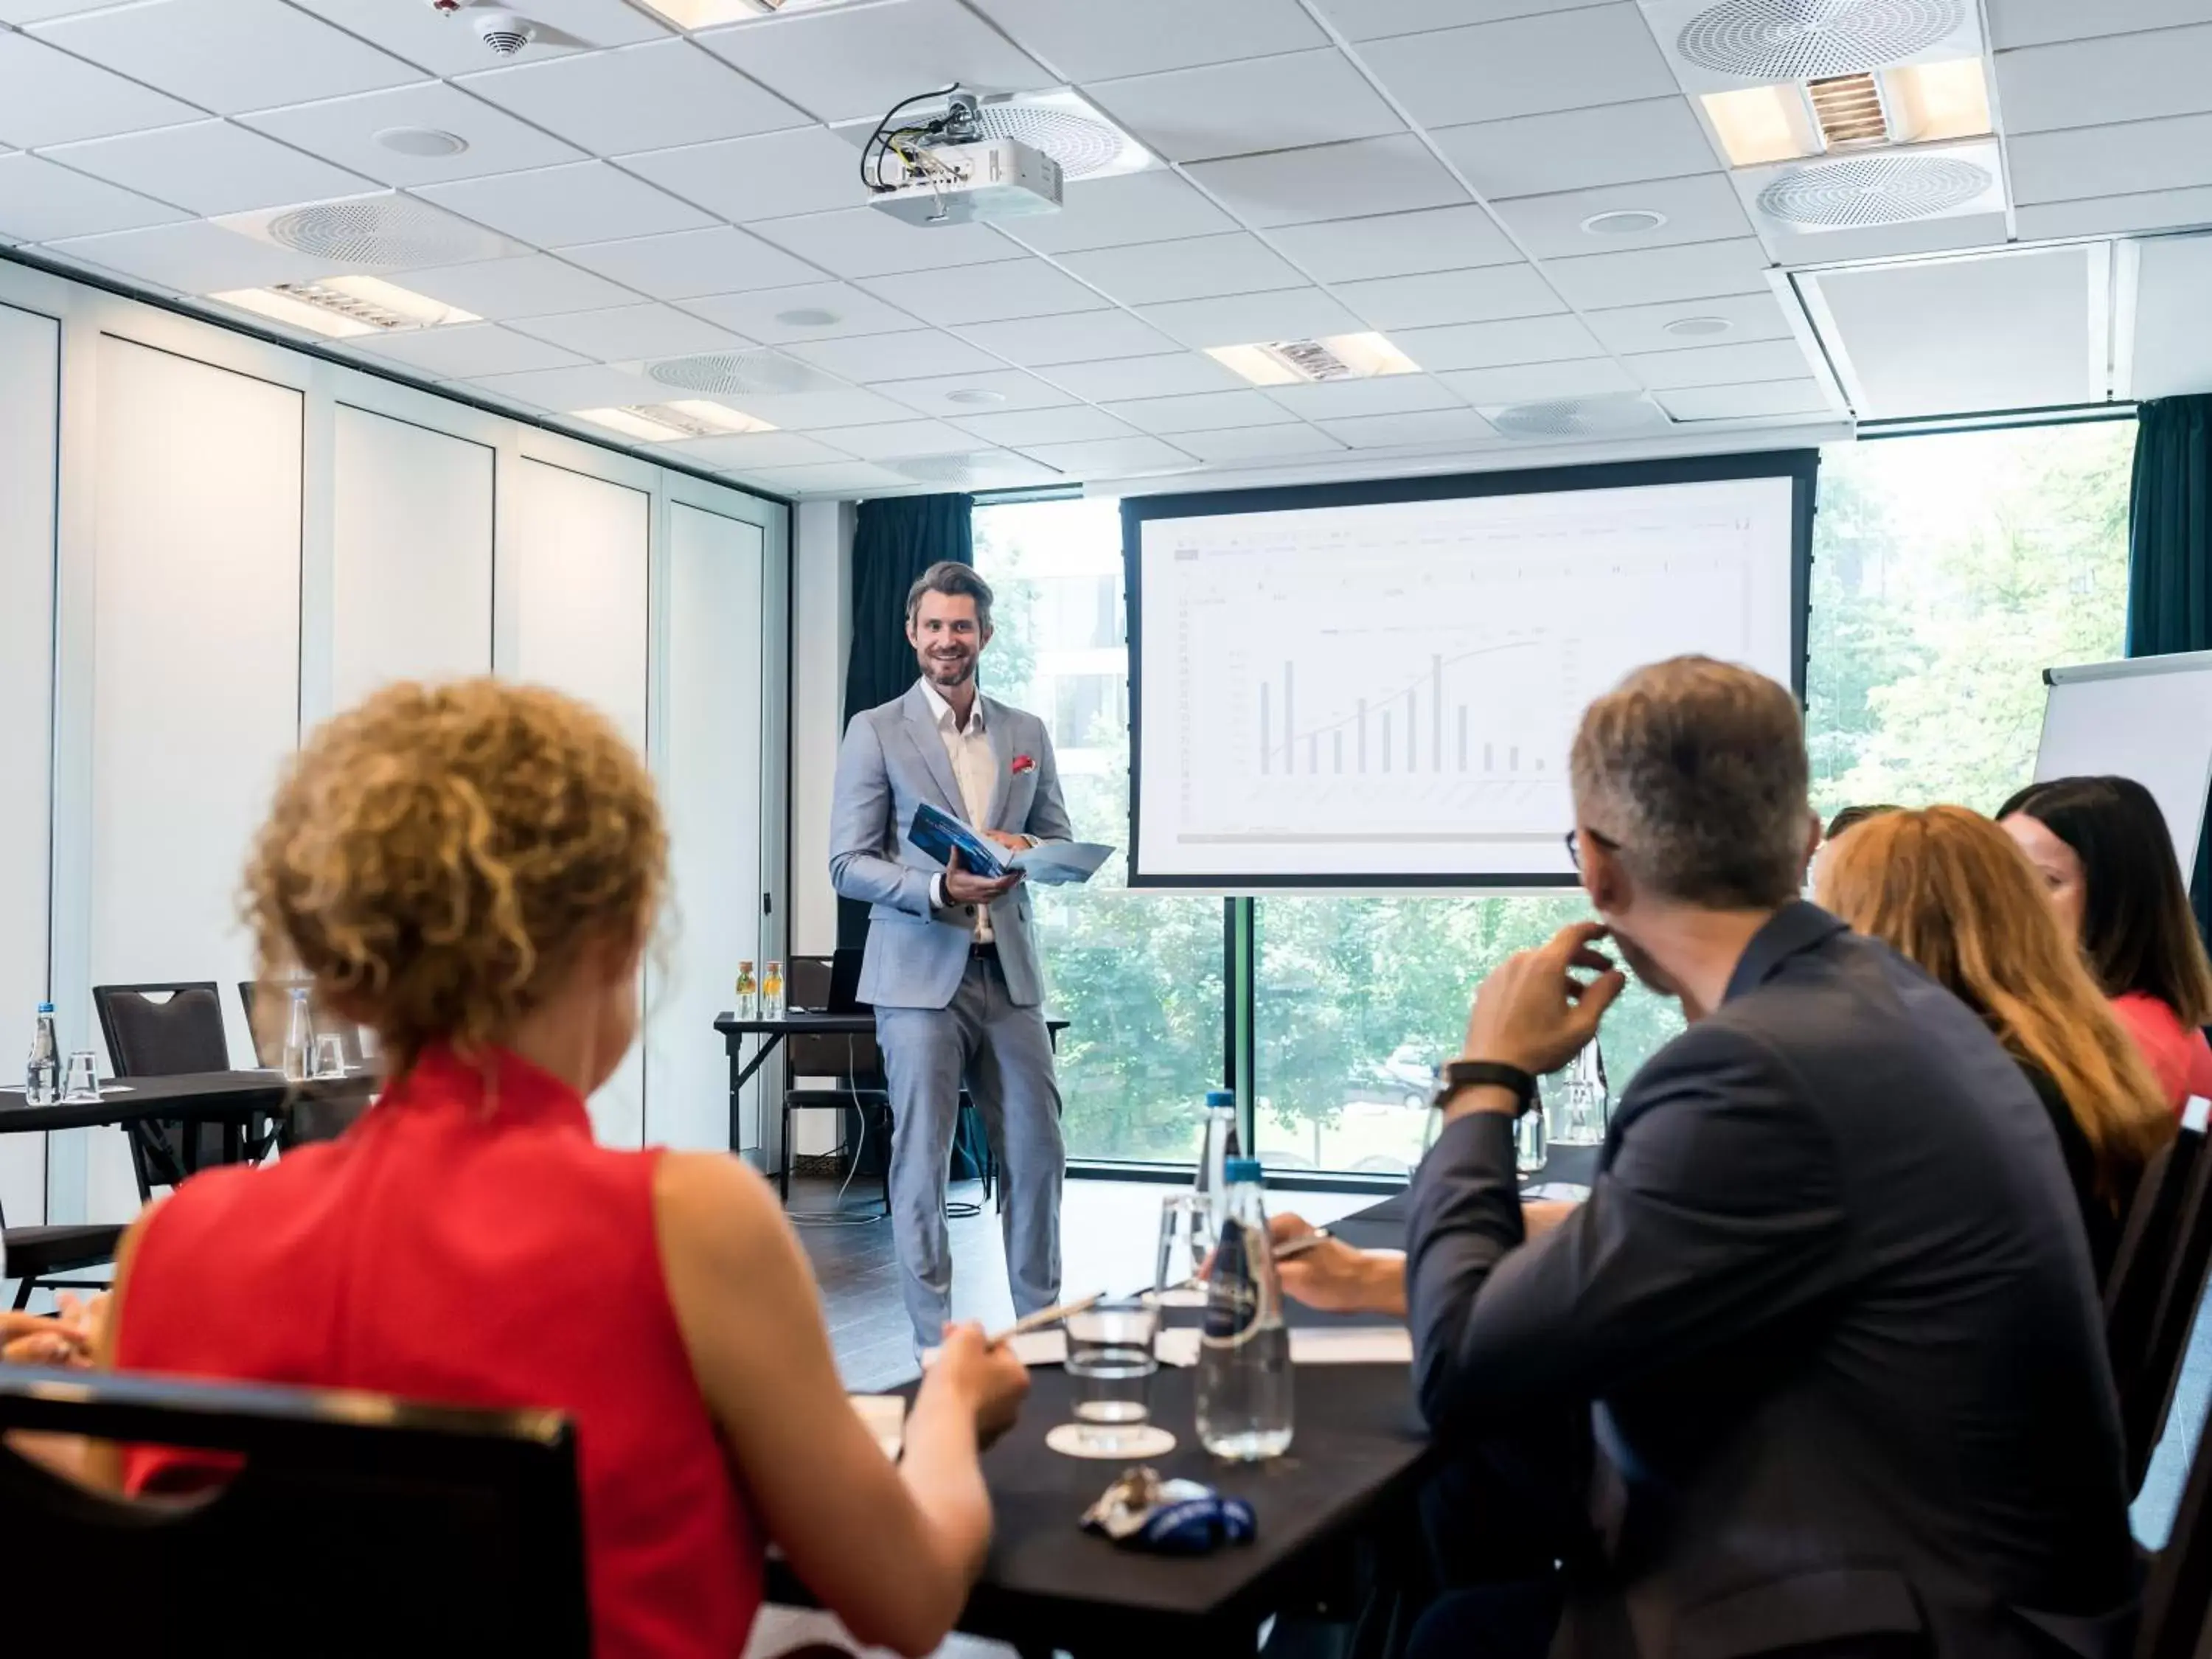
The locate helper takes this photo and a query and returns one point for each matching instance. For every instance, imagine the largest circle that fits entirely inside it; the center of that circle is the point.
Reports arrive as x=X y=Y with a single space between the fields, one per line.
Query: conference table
x=1348 y=1481
x=229 y=1104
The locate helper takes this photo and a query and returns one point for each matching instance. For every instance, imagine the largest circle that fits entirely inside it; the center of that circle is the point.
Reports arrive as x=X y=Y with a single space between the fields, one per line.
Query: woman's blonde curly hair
x=439 y=856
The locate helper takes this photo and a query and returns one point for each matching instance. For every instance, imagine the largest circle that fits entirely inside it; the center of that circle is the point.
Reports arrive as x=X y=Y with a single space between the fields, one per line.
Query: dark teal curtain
x=2170 y=555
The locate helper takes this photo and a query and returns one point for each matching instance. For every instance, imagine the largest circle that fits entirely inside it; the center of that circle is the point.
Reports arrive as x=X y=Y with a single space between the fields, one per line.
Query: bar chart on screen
x=1396 y=687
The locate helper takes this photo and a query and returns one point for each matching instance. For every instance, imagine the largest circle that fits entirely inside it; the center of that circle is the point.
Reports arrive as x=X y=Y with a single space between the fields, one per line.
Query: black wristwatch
x=1460 y=1075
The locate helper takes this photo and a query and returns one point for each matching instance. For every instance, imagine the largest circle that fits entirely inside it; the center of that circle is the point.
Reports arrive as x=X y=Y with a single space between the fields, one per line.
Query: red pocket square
x=1024 y=763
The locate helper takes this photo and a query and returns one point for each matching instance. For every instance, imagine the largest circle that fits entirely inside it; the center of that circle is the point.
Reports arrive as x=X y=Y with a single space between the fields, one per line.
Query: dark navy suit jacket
x=1831 y=1308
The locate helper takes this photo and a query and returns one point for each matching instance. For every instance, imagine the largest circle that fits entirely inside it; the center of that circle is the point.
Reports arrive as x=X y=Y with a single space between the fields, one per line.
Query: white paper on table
x=884 y=1416
x=1177 y=1346
x=1351 y=1344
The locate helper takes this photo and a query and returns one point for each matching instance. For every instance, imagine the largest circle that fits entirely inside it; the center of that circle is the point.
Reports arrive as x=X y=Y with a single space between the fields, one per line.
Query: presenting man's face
x=947 y=638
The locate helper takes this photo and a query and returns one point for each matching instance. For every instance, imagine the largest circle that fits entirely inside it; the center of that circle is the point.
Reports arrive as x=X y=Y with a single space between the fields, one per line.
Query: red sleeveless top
x=467 y=1243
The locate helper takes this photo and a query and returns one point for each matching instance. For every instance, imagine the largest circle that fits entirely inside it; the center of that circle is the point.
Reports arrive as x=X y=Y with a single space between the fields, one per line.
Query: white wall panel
x=573 y=570
x=710 y=724
x=197 y=650
x=30 y=366
x=411 y=540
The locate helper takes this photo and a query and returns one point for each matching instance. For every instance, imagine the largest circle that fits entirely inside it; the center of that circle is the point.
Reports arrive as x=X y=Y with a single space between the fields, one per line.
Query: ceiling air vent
x=1873 y=189
x=1579 y=417
x=1768 y=40
x=393 y=231
x=1849 y=111
x=743 y=373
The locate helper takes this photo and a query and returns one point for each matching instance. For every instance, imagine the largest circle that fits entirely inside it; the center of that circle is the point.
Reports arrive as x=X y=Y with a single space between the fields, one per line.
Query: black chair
x=268 y=1044
x=2177 y=1601
x=382 y=1526
x=37 y=1255
x=2148 y=1391
x=855 y=1061
x=2140 y=1266
x=180 y=1033
x=308 y=1118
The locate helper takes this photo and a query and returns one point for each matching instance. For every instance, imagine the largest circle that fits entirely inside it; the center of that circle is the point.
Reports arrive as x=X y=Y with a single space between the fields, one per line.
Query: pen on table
x=1042 y=1318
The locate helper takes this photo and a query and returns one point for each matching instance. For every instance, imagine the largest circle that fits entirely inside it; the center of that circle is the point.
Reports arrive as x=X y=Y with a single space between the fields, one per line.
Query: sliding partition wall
x=208 y=543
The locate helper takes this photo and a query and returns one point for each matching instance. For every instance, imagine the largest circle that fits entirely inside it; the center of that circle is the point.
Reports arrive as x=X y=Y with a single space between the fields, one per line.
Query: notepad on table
x=1351 y=1344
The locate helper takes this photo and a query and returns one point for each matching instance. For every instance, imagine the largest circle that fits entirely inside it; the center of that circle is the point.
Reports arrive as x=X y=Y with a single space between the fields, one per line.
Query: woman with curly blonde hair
x=1948 y=890
x=473 y=870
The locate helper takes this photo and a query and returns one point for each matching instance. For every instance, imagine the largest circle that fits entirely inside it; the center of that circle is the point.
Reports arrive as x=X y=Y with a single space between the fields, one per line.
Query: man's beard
x=949 y=673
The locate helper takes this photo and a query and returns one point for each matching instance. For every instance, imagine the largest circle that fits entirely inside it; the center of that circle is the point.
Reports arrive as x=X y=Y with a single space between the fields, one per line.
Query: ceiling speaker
x=1081 y=143
x=741 y=371
x=1769 y=40
x=1579 y=417
x=396 y=231
x=1873 y=190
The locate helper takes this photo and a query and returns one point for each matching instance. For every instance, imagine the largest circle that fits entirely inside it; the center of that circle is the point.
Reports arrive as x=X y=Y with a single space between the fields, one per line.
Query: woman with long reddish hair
x=1947 y=888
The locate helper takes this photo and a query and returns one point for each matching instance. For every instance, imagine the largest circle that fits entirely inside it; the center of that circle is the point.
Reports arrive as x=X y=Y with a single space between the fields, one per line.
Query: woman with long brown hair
x=1947 y=888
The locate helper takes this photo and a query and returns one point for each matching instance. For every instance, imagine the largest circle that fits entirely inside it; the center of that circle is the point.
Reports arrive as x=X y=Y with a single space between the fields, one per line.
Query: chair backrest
x=146 y=1038
x=806 y=982
x=2146 y=1252
x=358 y=1525
x=2145 y=1397
x=269 y=1038
x=830 y=1055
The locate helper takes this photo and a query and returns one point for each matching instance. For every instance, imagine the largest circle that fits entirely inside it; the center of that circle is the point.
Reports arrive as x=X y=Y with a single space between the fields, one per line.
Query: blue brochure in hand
x=938 y=834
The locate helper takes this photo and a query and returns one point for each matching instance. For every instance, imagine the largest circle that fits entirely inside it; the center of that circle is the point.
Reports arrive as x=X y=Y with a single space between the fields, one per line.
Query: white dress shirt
x=976 y=769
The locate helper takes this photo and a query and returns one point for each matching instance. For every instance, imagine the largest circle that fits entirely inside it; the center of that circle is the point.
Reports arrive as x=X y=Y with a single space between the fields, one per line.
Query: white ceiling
x=1420 y=167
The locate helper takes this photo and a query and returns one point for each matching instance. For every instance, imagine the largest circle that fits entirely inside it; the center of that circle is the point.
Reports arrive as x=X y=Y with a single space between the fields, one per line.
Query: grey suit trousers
x=1004 y=1054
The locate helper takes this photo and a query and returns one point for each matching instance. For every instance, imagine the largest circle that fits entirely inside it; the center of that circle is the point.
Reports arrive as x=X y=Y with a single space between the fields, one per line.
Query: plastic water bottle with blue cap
x=1243 y=1349
x=42 y=1078
x=1220 y=1146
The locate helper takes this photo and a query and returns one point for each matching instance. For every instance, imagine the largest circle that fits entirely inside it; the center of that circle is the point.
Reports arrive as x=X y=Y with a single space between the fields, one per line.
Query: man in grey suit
x=951 y=966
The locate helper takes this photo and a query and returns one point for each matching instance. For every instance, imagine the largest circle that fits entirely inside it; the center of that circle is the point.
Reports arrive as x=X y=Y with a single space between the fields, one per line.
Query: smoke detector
x=742 y=372
x=1623 y=415
x=502 y=32
x=1875 y=188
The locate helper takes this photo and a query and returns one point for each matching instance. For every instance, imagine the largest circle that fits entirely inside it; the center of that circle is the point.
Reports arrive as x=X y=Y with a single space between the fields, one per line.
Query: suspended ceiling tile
x=555 y=207
x=2039 y=22
x=840 y=478
x=1745 y=403
x=1391 y=394
x=344 y=130
x=1024 y=428
x=1577 y=150
x=807 y=311
x=1526 y=383
x=1244 y=318
x=864 y=242
x=902 y=439
x=1428 y=428
x=947 y=397
x=567 y=390
x=654 y=97
x=840 y=63
x=534 y=285
x=691 y=263
x=1149 y=273
x=807 y=411
x=211 y=168
x=40 y=202
x=1393 y=174
x=2133 y=158
x=1490 y=345
x=906 y=356
x=228 y=55
x=1376 y=20
x=770 y=176
x=1205 y=412
x=2162 y=210
x=620 y=333
x=468 y=351
x=1576 y=59
x=1168 y=375
x=748 y=450
x=1720 y=365
x=2115 y=77
x=1729 y=320
x=1703 y=208
x=48 y=97
x=1085 y=41
x=445 y=44
x=1452 y=296
x=1112 y=458
x=1654 y=276
x=1083 y=337
x=1024 y=287
x=1153 y=206
x=194 y=257
x=1257 y=443
x=1396 y=243
x=1281 y=102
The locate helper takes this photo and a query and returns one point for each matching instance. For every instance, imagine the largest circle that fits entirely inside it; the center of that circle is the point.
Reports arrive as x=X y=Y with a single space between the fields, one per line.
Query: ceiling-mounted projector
x=948 y=171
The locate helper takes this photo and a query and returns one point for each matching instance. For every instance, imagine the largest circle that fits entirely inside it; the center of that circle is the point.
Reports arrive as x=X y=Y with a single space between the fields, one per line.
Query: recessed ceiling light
x=1629 y=221
x=671 y=422
x=343 y=307
x=422 y=140
x=1332 y=357
x=1911 y=104
x=1698 y=328
x=808 y=317
x=972 y=395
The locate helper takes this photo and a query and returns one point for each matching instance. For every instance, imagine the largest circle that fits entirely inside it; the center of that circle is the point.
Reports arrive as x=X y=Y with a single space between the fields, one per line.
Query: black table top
x=800 y=1022
x=193 y=1096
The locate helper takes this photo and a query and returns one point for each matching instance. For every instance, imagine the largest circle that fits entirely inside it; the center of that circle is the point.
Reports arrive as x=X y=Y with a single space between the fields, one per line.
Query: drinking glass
x=80 y=1077
x=330 y=1055
x=1186 y=1241
x=1111 y=1359
x=1528 y=1152
x=1577 y=1117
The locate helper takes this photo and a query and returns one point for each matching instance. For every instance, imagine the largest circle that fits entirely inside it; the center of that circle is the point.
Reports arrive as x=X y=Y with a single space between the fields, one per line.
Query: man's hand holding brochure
x=940 y=834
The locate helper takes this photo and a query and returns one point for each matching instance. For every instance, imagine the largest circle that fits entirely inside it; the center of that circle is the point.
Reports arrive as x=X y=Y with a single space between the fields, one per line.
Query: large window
x=1948 y=573
x=1138 y=977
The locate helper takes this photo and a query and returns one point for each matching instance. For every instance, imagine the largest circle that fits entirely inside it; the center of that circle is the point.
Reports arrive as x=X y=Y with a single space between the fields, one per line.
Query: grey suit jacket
x=893 y=755
x=1830 y=1309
